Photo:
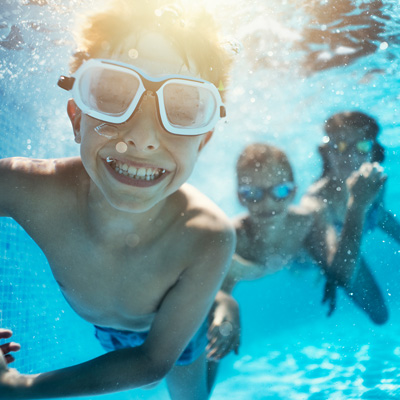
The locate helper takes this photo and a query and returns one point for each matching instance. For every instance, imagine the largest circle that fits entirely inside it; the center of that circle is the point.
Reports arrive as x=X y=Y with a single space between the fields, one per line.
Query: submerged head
x=265 y=180
x=145 y=98
x=351 y=140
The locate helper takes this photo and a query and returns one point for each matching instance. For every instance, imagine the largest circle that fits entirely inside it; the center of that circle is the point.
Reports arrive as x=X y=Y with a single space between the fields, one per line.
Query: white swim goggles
x=111 y=91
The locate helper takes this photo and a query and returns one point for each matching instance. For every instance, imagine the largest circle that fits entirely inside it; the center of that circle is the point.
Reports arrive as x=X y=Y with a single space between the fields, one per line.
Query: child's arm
x=341 y=261
x=390 y=225
x=23 y=191
x=11 y=186
x=180 y=314
x=224 y=330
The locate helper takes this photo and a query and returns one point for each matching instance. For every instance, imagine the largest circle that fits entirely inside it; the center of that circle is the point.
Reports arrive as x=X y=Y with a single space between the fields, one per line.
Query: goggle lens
x=188 y=106
x=251 y=193
x=363 y=146
x=255 y=193
x=281 y=192
x=108 y=92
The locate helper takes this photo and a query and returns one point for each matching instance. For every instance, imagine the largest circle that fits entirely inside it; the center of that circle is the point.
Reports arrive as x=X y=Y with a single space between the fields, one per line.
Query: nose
x=142 y=131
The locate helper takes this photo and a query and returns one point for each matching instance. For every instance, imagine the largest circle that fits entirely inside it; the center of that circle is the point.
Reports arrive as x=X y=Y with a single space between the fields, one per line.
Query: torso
x=107 y=280
x=275 y=246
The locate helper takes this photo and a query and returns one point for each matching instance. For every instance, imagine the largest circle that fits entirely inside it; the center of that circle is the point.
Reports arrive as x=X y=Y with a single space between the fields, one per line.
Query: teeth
x=141 y=172
x=132 y=170
x=147 y=174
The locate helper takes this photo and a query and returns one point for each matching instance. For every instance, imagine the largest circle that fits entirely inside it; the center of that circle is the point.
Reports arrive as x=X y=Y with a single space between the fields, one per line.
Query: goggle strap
x=66 y=82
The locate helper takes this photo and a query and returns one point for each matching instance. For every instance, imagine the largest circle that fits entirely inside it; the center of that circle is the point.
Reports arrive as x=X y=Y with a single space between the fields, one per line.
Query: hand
x=224 y=330
x=365 y=184
x=7 y=348
x=10 y=379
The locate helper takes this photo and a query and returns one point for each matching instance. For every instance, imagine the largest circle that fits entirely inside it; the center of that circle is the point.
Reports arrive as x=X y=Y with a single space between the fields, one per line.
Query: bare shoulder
x=208 y=232
x=23 y=167
x=316 y=195
x=203 y=213
x=300 y=219
x=34 y=181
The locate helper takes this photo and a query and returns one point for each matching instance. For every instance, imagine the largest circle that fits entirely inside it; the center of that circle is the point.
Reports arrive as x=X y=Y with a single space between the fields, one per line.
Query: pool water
x=300 y=62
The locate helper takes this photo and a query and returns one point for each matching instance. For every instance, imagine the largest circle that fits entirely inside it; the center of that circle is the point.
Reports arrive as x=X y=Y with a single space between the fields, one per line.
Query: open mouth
x=141 y=173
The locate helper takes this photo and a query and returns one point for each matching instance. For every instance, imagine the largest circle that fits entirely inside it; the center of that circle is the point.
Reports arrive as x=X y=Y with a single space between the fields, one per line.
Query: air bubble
x=121 y=147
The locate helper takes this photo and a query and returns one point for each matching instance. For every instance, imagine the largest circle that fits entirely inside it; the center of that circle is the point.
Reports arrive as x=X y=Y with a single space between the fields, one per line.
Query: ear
x=205 y=139
x=75 y=115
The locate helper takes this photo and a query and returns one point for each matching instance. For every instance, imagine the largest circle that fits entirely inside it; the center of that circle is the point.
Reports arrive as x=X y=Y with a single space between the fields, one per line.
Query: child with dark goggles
x=253 y=194
x=364 y=146
x=111 y=91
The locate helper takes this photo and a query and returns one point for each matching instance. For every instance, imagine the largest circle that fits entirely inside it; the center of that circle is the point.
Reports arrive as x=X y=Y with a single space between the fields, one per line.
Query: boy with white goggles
x=138 y=253
x=111 y=91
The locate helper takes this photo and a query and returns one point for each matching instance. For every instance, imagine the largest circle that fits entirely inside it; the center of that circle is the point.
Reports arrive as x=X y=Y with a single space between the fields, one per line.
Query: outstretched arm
x=180 y=314
x=364 y=186
x=341 y=259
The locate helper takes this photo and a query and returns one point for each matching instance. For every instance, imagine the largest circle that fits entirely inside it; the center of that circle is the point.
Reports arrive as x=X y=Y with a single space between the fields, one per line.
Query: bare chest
x=116 y=286
x=274 y=248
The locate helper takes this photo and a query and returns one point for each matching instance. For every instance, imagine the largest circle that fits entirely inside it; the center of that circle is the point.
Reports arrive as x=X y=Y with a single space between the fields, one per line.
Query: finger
x=3 y=363
x=217 y=345
x=8 y=347
x=5 y=333
x=9 y=358
x=212 y=331
x=224 y=351
x=213 y=340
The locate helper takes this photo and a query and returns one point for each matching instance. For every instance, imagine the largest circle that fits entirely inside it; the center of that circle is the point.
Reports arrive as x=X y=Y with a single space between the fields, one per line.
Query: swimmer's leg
x=189 y=381
x=366 y=294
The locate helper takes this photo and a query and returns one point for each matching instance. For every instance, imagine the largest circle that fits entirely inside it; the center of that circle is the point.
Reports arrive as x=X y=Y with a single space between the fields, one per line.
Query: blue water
x=284 y=84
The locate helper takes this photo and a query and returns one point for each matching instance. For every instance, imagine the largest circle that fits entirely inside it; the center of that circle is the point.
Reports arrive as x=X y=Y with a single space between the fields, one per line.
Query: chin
x=268 y=214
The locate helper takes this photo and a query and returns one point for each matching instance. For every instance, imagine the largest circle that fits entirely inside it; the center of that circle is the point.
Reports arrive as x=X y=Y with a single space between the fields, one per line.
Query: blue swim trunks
x=113 y=339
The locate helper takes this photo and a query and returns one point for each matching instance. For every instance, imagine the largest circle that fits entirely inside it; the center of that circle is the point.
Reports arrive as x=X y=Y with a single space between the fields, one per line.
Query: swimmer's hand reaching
x=224 y=330
x=10 y=379
x=8 y=348
x=365 y=184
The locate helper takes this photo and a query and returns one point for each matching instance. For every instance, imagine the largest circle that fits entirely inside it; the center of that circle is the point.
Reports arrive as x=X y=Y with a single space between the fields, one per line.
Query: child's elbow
x=158 y=368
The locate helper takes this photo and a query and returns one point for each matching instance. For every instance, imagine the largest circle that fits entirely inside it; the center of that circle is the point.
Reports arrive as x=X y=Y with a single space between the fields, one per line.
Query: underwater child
x=136 y=251
x=274 y=234
x=350 y=191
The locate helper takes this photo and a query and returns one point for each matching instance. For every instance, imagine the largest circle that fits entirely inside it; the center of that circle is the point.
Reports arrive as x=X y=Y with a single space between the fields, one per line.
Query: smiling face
x=137 y=164
x=266 y=177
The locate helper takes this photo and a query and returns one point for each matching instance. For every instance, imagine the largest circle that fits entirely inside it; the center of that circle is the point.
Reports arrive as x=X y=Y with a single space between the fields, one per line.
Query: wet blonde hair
x=193 y=34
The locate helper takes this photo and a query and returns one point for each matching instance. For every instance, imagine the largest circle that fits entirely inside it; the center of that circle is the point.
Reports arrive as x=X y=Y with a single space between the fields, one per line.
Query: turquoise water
x=285 y=82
